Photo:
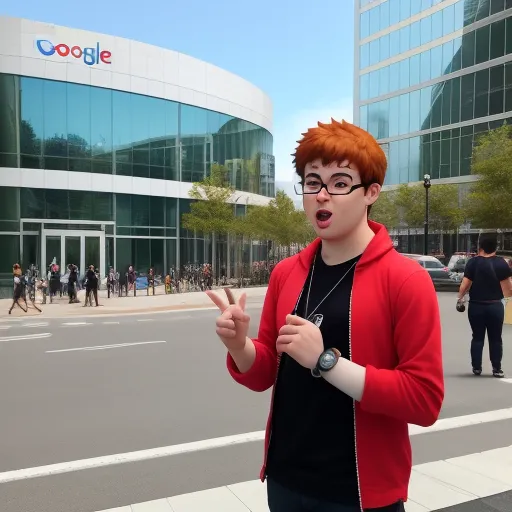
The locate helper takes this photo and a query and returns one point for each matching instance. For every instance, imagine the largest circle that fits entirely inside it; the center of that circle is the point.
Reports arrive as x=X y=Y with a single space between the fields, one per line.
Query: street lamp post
x=426 y=184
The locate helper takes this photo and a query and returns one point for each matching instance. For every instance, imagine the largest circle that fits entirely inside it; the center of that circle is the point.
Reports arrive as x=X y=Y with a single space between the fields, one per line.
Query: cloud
x=288 y=130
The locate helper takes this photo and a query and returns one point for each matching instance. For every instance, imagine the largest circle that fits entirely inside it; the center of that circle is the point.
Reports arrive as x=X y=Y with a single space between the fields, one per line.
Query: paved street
x=86 y=393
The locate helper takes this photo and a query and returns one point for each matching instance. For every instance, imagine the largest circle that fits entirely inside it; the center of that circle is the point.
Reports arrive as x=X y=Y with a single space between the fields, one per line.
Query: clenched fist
x=232 y=325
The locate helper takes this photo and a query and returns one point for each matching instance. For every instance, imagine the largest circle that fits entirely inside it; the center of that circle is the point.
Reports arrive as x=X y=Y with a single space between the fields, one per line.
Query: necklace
x=308 y=316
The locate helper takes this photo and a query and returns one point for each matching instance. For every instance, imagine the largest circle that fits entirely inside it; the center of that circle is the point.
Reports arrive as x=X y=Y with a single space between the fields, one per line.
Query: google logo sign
x=90 y=55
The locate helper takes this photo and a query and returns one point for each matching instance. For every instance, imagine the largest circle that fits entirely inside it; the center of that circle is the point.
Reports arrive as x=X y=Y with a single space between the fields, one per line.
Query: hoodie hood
x=379 y=246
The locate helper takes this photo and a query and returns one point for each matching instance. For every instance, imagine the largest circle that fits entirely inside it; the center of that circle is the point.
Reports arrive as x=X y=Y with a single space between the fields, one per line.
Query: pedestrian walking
x=487 y=281
x=349 y=339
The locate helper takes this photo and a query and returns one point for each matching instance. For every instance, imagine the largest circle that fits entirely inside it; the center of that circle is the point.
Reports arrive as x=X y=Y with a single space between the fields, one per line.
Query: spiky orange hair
x=336 y=142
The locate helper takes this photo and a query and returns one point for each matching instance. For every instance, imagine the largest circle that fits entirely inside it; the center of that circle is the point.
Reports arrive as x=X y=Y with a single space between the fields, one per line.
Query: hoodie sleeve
x=262 y=374
x=414 y=390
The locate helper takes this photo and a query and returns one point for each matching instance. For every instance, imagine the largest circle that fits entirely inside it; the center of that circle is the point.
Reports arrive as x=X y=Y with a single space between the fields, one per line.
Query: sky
x=299 y=52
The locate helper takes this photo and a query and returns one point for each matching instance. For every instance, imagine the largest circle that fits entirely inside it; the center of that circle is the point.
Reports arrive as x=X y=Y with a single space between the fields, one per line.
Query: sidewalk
x=477 y=482
x=142 y=303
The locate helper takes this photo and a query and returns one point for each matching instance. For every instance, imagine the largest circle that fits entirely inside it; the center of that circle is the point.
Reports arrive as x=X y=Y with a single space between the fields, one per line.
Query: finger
x=242 y=301
x=217 y=300
x=238 y=315
x=231 y=297
x=225 y=333
x=225 y=324
x=284 y=339
x=288 y=329
x=295 y=320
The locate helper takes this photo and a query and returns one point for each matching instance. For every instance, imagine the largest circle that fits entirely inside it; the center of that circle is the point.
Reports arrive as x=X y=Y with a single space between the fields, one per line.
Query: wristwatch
x=326 y=362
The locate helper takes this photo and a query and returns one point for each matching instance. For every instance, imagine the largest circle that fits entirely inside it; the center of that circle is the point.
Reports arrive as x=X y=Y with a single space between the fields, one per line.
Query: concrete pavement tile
x=501 y=502
x=462 y=478
x=153 y=506
x=434 y=494
x=220 y=499
x=494 y=464
x=252 y=494
x=412 y=506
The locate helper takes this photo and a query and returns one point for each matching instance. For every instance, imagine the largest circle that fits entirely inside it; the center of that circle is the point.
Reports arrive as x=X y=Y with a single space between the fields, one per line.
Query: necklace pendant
x=316 y=319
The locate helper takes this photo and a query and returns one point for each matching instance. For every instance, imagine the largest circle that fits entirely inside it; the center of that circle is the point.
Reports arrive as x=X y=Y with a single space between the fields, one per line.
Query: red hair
x=336 y=142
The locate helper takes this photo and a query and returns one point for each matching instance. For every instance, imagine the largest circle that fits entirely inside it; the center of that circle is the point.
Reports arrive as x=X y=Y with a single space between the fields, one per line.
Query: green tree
x=489 y=199
x=210 y=213
x=385 y=210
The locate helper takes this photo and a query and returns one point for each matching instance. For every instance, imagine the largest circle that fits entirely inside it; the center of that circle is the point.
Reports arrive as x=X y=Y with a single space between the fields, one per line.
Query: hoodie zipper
x=353 y=401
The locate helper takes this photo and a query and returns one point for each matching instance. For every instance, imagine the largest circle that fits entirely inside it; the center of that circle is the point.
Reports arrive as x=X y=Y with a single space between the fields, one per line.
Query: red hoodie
x=395 y=333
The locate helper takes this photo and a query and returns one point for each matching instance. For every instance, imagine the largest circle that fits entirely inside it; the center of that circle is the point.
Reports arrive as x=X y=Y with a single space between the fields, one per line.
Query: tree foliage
x=385 y=210
x=488 y=202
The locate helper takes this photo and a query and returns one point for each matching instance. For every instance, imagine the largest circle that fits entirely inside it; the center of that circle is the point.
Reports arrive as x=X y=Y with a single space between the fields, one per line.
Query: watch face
x=327 y=360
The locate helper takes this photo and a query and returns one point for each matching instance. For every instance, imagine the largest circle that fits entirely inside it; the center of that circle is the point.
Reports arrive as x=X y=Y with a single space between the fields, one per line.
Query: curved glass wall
x=72 y=127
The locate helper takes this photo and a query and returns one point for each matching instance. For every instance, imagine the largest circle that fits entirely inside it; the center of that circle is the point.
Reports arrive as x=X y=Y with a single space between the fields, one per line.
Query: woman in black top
x=487 y=278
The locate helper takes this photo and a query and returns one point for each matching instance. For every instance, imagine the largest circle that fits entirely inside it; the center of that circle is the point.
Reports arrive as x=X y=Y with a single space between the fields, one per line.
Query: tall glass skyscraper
x=430 y=75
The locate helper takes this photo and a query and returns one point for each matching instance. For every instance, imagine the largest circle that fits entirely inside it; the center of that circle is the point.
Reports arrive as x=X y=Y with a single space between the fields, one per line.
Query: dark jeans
x=281 y=499
x=486 y=317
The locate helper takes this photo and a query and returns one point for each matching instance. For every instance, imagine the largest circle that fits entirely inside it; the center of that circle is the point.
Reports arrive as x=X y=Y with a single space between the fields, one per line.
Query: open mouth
x=323 y=215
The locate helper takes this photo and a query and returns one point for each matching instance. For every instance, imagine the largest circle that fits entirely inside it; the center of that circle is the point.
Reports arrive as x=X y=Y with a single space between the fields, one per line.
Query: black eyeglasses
x=314 y=186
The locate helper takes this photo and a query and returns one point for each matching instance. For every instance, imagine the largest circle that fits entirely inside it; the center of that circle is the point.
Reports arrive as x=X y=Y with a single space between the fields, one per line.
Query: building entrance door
x=82 y=248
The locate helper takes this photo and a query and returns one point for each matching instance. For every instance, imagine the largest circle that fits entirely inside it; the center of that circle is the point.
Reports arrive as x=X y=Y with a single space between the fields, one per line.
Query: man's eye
x=340 y=184
x=312 y=183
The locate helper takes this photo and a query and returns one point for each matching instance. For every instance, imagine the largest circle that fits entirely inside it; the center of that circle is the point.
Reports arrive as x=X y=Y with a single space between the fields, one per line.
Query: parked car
x=439 y=273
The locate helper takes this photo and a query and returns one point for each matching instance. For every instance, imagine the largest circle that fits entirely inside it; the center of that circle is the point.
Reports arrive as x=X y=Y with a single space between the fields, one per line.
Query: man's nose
x=323 y=195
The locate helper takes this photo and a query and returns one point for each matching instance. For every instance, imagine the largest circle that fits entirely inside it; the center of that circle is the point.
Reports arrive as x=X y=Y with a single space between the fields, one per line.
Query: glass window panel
x=365 y=24
x=404 y=73
x=8 y=90
x=392 y=175
x=415 y=7
x=171 y=215
x=455 y=110
x=403 y=122
x=403 y=160
x=435 y=159
x=415 y=35
x=394 y=11
x=394 y=43
x=426 y=30
x=425 y=106
x=444 y=171
x=457 y=52
x=9 y=204
x=468 y=50
x=405 y=38
x=405 y=9
x=455 y=158
x=57 y=204
x=497 y=88
x=123 y=210
x=55 y=119
x=10 y=252
x=436 y=62
x=384 y=15
x=394 y=116
x=32 y=117
x=508 y=88
x=80 y=205
x=459 y=15
x=482 y=44
x=363 y=117
x=122 y=132
x=32 y=203
x=446 y=103
x=483 y=10
x=414 y=63
x=448 y=19
x=467 y=96
x=425 y=158
x=447 y=57
x=374 y=83
x=426 y=4
x=437 y=25
x=497 y=39
x=140 y=211
x=414 y=159
x=425 y=72
x=414 y=111
x=466 y=149
x=437 y=101
x=374 y=19
x=101 y=124
x=384 y=80
x=374 y=52
x=508 y=31
x=394 y=77
x=384 y=47
x=364 y=56
x=482 y=93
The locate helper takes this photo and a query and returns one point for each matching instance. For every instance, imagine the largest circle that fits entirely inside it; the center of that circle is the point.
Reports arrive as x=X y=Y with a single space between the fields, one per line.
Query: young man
x=349 y=337
x=487 y=279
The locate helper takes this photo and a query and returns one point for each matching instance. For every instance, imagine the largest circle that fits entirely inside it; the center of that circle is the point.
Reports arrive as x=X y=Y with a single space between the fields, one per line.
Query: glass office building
x=430 y=76
x=96 y=160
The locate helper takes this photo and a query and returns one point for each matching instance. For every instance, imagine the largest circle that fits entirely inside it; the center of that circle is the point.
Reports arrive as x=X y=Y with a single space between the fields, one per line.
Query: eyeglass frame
x=325 y=185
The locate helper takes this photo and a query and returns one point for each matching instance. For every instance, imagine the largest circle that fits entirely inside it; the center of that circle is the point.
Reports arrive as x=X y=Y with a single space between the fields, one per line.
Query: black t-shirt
x=312 y=447
x=486 y=274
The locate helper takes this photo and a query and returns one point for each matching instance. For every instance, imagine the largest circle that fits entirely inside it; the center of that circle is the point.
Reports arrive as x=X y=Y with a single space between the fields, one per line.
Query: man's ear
x=372 y=193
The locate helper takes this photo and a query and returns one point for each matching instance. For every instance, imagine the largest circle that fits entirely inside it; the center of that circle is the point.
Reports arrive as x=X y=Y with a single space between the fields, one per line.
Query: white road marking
x=40 y=324
x=221 y=442
x=26 y=337
x=5 y=327
x=104 y=347
x=72 y=324
x=145 y=320
x=110 y=323
x=507 y=381
x=6 y=320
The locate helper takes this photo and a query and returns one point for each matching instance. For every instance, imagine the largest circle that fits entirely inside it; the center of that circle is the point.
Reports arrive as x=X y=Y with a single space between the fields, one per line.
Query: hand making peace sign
x=233 y=323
